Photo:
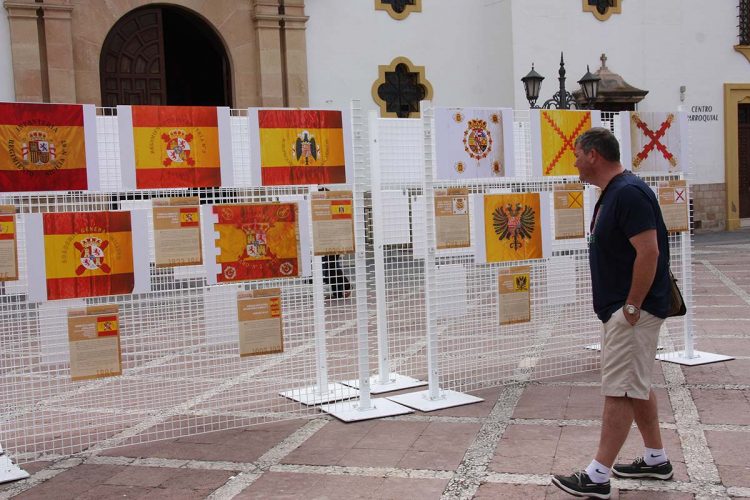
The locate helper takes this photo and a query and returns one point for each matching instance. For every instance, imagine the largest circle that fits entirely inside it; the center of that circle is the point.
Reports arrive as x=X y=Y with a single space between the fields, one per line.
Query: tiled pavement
x=505 y=447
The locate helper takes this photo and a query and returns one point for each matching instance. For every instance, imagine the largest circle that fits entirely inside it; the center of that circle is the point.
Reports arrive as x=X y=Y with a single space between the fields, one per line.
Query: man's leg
x=617 y=418
x=646 y=414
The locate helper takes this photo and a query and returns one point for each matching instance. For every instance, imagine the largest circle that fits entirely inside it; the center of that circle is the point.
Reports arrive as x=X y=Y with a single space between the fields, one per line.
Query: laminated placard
x=260 y=322
x=512 y=227
x=8 y=244
x=514 y=284
x=569 y=217
x=474 y=143
x=299 y=146
x=333 y=222
x=452 y=218
x=94 y=342
x=177 y=235
x=553 y=136
x=48 y=147
x=673 y=200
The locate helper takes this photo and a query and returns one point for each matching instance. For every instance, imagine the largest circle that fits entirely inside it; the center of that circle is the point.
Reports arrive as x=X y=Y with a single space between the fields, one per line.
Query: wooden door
x=743 y=170
x=132 y=67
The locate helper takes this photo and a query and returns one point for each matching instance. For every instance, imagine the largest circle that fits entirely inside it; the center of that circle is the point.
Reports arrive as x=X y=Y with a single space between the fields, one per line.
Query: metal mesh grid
x=182 y=373
x=473 y=349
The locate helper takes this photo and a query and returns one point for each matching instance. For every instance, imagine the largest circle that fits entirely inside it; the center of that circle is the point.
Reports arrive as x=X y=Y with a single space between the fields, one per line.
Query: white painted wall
x=7 y=92
x=655 y=45
x=465 y=46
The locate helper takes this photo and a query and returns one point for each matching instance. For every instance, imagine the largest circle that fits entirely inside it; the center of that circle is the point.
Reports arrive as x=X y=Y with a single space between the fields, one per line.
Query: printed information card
x=94 y=341
x=452 y=218
x=569 y=219
x=260 y=322
x=333 y=222
x=673 y=200
x=177 y=236
x=8 y=247
x=515 y=295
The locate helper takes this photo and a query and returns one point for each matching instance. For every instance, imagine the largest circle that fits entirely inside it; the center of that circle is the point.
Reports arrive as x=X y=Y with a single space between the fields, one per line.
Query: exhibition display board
x=224 y=289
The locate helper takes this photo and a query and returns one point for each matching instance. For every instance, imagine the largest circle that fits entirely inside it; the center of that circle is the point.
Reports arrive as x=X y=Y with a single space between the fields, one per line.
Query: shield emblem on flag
x=39 y=152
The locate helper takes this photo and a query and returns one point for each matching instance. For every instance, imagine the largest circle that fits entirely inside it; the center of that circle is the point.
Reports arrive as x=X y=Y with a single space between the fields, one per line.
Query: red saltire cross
x=655 y=140
x=679 y=195
x=567 y=140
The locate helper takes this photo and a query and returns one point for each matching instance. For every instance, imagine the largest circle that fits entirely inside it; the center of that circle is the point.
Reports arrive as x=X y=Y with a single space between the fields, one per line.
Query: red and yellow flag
x=257 y=241
x=301 y=147
x=176 y=146
x=512 y=227
x=88 y=254
x=42 y=147
x=107 y=326
x=559 y=130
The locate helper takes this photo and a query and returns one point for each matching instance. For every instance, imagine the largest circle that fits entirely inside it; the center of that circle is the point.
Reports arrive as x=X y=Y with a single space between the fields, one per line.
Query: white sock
x=597 y=472
x=654 y=457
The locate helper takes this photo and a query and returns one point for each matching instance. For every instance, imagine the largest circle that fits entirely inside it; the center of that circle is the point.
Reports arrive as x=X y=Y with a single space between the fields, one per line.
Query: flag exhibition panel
x=47 y=147
x=174 y=146
x=512 y=227
x=474 y=143
x=86 y=254
x=553 y=135
x=299 y=146
x=256 y=241
x=654 y=142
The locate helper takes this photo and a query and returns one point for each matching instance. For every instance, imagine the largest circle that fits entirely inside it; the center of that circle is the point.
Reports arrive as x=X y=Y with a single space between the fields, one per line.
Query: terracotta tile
x=346 y=487
x=281 y=485
x=177 y=494
x=392 y=435
x=197 y=479
x=735 y=475
x=729 y=448
x=414 y=459
x=368 y=457
x=539 y=401
x=396 y=488
x=480 y=409
x=114 y=491
x=524 y=464
x=649 y=495
x=142 y=476
x=315 y=456
x=722 y=407
x=492 y=491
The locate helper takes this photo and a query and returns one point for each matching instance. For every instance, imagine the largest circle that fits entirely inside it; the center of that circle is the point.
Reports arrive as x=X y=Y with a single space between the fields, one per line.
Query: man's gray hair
x=602 y=140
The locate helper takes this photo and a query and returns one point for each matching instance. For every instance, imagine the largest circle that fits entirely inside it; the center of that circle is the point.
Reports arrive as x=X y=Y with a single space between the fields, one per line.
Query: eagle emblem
x=514 y=222
x=92 y=255
x=522 y=282
x=305 y=147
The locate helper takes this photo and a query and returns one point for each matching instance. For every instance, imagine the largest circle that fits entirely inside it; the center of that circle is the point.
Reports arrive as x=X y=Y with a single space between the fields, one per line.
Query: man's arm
x=644 y=269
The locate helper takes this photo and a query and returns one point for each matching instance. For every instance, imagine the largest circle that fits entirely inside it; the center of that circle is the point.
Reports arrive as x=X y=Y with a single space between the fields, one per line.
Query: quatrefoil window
x=400 y=88
x=399 y=9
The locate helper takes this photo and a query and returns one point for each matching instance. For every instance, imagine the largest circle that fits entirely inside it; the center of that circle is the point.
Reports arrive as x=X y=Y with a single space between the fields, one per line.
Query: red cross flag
x=653 y=142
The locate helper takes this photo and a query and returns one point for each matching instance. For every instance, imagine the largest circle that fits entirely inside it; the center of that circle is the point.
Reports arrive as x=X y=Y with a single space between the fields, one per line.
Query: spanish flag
x=42 y=147
x=512 y=227
x=107 y=326
x=559 y=130
x=341 y=209
x=257 y=241
x=88 y=254
x=301 y=147
x=176 y=146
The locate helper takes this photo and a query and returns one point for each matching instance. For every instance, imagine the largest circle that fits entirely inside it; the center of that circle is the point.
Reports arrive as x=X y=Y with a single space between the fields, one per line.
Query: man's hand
x=632 y=318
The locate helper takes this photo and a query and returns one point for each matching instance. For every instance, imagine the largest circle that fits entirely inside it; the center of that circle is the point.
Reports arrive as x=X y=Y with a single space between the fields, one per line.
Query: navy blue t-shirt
x=627 y=207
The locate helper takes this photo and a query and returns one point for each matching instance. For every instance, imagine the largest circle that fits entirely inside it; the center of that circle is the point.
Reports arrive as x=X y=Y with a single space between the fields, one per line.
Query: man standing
x=629 y=260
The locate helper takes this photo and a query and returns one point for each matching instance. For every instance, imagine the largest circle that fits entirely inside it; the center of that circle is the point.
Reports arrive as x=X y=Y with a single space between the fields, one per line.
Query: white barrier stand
x=434 y=398
x=385 y=380
x=689 y=356
x=323 y=391
x=8 y=470
x=364 y=408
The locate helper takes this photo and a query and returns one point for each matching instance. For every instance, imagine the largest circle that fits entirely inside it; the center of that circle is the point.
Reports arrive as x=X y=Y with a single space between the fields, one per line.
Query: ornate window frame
x=615 y=7
x=408 y=9
x=390 y=68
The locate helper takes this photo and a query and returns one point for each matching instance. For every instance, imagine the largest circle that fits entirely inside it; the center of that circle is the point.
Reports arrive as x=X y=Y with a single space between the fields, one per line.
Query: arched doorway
x=164 y=55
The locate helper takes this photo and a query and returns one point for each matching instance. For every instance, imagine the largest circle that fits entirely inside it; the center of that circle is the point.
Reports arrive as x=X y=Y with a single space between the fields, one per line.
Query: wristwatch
x=631 y=309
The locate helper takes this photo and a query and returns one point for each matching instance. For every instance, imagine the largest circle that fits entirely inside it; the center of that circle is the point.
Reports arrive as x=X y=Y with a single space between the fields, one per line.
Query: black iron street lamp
x=562 y=99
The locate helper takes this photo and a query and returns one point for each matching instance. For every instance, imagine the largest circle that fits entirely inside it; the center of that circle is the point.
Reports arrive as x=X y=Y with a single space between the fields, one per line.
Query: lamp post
x=562 y=99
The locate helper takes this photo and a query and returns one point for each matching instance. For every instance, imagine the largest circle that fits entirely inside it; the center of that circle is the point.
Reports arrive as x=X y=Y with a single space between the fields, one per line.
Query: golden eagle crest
x=513 y=223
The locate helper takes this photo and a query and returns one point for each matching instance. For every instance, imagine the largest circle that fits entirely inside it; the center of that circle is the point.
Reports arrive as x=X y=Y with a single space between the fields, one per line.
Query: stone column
x=59 y=41
x=268 y=29
x=28 y=79
x=296 y=53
